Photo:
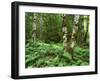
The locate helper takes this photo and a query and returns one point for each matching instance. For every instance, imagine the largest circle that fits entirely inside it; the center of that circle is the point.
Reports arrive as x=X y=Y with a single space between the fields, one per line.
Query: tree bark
x=64 y=29
x=74 y=31
x=34 y=27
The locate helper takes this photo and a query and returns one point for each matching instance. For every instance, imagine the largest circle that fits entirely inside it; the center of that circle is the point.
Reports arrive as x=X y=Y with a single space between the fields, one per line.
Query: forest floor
x=40 y=54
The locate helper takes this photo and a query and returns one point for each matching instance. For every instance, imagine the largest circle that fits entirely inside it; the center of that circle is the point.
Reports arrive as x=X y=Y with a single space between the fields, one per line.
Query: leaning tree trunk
x=34 y=27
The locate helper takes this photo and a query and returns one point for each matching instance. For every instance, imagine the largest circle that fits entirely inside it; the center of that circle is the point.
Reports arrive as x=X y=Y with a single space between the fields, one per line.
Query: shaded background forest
x=56 y=40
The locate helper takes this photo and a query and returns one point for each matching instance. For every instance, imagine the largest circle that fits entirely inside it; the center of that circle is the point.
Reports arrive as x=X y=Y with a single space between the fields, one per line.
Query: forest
x=56 y=40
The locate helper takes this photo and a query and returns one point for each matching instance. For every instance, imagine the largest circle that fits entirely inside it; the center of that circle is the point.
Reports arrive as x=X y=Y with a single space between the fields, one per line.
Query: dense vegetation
x=56 y=40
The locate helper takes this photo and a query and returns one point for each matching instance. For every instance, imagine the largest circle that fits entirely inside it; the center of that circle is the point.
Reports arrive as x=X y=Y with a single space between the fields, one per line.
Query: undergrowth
x=40 y=54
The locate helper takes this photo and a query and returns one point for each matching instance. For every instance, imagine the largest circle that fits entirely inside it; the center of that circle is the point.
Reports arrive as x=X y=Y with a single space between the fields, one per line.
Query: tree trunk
x=64 y=29
x=34 y=27
x=74 y=33
x=87 y=29
x=41 y=25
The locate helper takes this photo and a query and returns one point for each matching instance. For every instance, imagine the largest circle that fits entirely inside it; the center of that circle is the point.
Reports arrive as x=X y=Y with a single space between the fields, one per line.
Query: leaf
x=67 y=55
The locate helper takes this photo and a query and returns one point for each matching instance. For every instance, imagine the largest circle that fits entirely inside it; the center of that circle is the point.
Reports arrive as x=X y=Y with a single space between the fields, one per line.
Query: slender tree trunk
x=34 y=27
x=79 y=31
x=64 y=29
x=41 y=25
x=87 y=29
x=74 y=31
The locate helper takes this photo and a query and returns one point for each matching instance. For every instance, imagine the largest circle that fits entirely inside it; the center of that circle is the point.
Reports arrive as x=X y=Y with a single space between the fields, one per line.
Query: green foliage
x=53 y=25
x=40 y=54
x=81 y=56
x=67 y=55
x=28 y=25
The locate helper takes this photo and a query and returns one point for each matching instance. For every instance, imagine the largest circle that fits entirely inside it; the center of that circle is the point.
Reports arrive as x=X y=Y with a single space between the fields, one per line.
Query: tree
x=83 y=30
x=34 y=27
x=64 y=29
x=41 y=25
x=72 y=43
x=86 y=36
